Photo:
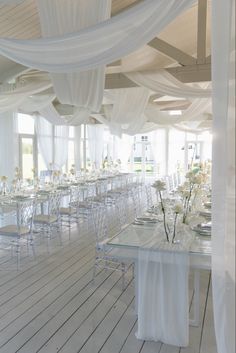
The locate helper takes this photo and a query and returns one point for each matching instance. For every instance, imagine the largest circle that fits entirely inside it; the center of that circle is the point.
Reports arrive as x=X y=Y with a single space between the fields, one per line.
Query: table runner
x=163 y=297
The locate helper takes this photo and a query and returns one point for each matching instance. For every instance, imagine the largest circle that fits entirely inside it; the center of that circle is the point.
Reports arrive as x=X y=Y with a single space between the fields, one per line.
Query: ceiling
x=21 y=21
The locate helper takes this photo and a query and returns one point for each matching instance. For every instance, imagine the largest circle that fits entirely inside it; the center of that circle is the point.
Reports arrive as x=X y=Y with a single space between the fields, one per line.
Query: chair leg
x=94 y=269
x=32 y=246
x=18 y=255
x=123 y=275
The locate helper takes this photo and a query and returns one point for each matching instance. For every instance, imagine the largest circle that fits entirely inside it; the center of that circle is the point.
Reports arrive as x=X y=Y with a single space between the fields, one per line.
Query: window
x=25 y=124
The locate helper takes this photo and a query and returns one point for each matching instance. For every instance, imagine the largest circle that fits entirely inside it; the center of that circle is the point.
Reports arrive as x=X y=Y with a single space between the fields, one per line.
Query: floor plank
x=53 y=305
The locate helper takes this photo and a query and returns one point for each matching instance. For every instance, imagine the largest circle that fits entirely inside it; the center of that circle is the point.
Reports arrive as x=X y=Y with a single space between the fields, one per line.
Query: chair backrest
x=54 y=201
x=74 y=195
x=100 y=223
x=149 y=198
x=24 y=214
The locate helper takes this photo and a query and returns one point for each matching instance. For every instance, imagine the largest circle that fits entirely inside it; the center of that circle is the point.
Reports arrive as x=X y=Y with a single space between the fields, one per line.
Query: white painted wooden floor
x=52 y=305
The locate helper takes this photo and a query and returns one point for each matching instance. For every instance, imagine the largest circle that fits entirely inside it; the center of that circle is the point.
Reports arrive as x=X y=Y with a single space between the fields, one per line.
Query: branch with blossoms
x=159 y=185
x=194 y=179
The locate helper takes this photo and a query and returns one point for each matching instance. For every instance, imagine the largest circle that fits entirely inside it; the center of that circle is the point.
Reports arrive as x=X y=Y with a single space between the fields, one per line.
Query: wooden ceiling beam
x=171 y=51
x=114 y=81
x=194 y=73
x=201 y=31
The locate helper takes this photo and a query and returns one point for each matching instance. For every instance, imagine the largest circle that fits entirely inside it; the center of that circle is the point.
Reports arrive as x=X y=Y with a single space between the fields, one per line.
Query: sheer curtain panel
x=223 y=178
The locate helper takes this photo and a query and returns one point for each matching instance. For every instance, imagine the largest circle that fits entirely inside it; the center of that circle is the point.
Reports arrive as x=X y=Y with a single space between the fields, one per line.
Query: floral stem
x=186 y=204
x=164 y=217
x=174 y=232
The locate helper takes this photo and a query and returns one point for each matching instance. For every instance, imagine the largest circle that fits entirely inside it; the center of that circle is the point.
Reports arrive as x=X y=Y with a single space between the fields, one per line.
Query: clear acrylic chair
x=107 y=258
x=49 y=216
x=69 y=213
x=20 y=231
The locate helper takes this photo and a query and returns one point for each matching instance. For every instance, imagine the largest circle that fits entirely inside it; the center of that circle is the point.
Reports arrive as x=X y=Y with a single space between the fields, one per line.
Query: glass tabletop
x=134 y=236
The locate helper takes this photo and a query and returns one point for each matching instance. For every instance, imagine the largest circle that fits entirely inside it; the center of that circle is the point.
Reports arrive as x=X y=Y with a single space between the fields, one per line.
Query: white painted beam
x=171 y=51
x=201 y=31
x=191 y=73
x=114 y=81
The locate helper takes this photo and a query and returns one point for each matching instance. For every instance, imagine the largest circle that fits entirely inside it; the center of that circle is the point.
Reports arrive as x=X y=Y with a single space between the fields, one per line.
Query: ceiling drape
x=59 y=17
x=12 y=96
x=99 y=44
x=164 y=83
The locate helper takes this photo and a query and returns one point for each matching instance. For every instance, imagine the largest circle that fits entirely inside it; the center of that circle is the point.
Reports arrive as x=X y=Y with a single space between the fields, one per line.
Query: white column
x=8 y=145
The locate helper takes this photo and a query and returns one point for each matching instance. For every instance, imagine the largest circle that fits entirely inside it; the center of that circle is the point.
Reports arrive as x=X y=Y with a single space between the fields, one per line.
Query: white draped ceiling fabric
x=164 y=83
x=11 y=96
x=127 y=115
x=223 y=178
x=59 y=17
x=99 y=44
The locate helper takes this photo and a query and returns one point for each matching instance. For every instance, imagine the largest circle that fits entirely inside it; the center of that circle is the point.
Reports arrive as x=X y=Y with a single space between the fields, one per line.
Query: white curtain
x=77 y=150
x=61 y=140
x=164 y=83
x=99 y=44
x=223 y=178
x=8 y=145
x=124 y=150
x=44 y=131
x=59 y=17
x=96 y=144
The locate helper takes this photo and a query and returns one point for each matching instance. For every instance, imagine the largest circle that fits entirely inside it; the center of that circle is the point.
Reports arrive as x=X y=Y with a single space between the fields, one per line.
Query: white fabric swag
x=12 y=97
x=51 y=115
x=59 y=17
x=164 y=83
x=99 y=44
x=35 y=103
x=127 y=115
x=223 y=176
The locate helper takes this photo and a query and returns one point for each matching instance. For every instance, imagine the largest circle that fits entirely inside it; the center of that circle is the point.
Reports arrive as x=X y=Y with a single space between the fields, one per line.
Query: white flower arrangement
x=160 y=186
x=194 y=178
x=178 y=208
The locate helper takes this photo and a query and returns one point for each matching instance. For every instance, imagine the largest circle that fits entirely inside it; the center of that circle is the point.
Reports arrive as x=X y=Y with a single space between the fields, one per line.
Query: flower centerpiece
x=178 y=208
x=189 y=189
x=72 y=170
x=159 y=186
x=3 y=180
x=18 y=178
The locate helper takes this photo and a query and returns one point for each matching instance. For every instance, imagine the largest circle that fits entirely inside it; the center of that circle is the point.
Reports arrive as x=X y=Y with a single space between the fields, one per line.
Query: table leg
x=196 y=299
